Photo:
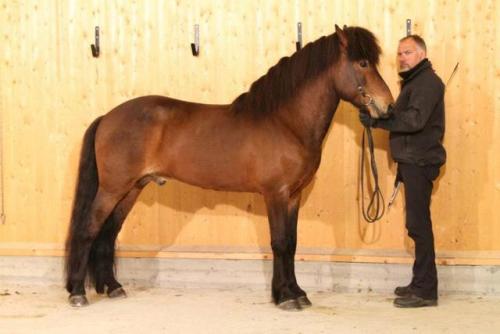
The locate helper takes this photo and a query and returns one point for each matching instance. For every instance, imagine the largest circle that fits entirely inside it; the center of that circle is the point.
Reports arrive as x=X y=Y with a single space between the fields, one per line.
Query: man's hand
x=366 y=120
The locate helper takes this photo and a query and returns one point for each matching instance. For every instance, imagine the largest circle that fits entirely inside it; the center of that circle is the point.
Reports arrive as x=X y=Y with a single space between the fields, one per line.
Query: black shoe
x=413 y=301
x=403 y=291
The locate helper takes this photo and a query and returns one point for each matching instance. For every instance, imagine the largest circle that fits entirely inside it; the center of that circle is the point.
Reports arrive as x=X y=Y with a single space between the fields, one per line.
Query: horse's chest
x=303 y=176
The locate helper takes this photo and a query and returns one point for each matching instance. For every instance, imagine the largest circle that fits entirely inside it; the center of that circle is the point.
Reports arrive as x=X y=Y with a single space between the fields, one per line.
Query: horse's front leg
x=286 y=293
x=293 y=213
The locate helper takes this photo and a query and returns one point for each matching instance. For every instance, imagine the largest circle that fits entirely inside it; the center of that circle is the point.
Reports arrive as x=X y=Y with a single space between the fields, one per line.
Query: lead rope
x=376 y=206
x=376 y=197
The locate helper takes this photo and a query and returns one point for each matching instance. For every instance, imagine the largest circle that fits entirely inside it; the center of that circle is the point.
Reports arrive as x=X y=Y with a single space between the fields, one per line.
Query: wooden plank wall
x=51 y=89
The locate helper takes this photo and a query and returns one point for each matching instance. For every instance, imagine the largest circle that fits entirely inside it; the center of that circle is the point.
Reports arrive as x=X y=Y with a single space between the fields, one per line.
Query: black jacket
x=417 y=125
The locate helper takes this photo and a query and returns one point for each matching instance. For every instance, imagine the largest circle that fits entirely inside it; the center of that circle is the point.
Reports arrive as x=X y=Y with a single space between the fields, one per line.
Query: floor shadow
x=189 y=200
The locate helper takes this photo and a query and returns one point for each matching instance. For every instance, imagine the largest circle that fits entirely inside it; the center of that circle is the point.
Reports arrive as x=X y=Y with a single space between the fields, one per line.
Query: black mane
x=282 y=80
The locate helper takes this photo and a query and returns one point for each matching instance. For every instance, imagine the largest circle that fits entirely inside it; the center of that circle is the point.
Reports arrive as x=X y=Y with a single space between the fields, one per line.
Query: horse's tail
x=86 y=190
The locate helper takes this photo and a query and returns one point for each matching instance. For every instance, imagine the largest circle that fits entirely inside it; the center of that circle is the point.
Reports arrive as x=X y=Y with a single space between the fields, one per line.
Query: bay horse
x=267 y=141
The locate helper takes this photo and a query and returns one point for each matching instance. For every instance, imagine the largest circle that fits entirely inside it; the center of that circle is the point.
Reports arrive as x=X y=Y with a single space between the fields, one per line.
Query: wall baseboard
x=218 y=273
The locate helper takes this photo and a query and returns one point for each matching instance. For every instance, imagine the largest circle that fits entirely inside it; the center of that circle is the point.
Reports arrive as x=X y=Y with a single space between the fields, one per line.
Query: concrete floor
x=44 y=309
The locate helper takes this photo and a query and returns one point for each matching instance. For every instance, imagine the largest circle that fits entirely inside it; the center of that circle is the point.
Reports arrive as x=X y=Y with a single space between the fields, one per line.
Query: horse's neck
x=310 y=114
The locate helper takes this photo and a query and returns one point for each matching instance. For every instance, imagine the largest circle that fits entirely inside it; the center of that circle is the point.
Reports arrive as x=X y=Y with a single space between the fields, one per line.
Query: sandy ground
x=154 y=310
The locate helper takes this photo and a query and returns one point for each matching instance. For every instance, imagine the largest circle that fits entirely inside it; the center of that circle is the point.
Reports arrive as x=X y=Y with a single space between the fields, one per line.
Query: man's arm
x=421 y=103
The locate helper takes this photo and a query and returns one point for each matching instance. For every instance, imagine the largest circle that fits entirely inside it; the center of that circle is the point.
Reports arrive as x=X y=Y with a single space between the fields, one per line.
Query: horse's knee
x=281 y=246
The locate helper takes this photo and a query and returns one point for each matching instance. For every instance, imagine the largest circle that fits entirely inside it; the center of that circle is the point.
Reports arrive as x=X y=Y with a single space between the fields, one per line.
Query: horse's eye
x=363 y=63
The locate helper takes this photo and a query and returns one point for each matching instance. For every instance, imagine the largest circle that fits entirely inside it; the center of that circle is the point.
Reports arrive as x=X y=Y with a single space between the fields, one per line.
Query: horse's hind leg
x=102 y=254
x=103 y=204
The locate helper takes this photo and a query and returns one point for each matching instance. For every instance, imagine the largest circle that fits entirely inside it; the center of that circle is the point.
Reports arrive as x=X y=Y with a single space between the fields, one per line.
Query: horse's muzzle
x=389 y=112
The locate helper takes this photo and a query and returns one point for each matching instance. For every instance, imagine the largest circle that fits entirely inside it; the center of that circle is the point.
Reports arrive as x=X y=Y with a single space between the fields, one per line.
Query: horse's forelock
x=362 y=44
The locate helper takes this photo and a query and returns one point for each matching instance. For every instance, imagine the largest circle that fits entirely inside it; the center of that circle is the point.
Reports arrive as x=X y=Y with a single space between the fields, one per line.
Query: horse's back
x=152 y=111
x=161 y=135
x=157 y=105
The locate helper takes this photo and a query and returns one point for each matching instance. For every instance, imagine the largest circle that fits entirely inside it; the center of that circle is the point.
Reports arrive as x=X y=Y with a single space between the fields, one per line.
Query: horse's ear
x=344 y=27
x=342 y=37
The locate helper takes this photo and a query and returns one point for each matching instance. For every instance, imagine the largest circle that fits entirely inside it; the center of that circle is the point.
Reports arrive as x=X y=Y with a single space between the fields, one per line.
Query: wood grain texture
x=51 y=88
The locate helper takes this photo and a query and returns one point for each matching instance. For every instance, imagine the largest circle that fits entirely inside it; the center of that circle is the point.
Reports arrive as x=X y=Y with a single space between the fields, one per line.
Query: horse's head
x=359 y=81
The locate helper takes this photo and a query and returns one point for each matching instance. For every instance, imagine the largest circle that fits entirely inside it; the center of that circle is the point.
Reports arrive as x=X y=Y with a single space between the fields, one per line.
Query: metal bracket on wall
x=195 y=47
x=408 y=27
x=298 y=44
x=95 y=47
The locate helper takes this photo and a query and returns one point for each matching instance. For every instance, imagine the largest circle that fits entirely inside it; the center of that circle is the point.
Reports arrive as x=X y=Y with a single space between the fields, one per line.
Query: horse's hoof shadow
x=291 y=305
x=78 y=301
x=304 y=302
x=117 y=293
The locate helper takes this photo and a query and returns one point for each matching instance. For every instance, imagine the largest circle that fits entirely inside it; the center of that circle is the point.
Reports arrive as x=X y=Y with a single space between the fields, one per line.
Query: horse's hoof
x=290 y=305
x=304 y=302
x=78 y=301
x=117 y=293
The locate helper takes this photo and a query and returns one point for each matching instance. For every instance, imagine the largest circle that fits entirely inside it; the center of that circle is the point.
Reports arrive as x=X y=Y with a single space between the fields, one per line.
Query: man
x=416 y=133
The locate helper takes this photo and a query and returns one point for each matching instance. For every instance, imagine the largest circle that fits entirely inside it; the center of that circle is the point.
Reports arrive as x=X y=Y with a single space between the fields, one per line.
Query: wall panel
x=51 y=89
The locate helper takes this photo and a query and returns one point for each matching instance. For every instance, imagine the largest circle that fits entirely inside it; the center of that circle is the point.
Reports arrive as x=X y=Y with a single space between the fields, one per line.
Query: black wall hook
x=195 y=47
x=95 y=47
x=298 y=44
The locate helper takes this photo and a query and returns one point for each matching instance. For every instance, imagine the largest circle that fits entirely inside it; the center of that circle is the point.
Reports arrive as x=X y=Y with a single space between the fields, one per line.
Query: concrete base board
x=341 y=277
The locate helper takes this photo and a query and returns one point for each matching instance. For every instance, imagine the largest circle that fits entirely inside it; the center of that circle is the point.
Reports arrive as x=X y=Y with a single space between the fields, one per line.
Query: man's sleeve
x=422 y=101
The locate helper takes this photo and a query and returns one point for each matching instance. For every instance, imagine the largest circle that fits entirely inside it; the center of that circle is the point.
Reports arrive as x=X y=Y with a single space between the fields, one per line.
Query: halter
x=364 y=94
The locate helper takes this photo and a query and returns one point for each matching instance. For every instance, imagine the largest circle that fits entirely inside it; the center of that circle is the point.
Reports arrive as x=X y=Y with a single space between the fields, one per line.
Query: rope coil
x=376 y=206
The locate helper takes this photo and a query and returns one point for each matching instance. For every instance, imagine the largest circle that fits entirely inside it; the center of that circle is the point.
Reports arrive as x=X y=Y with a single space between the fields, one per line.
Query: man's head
x=411 y=51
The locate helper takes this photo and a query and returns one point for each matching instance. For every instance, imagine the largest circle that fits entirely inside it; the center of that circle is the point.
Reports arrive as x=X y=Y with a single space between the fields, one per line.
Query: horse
x=267 y=141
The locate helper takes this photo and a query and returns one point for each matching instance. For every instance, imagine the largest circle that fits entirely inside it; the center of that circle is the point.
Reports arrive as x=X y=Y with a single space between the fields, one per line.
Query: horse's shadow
x=190 y=200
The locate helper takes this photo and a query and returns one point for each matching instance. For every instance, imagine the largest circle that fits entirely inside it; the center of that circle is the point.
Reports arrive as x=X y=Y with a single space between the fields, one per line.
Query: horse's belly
x=224 y=172
x=215 y=181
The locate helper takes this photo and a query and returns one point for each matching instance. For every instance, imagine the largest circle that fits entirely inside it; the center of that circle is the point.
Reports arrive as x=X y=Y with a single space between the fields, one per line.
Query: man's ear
x=342 y=37
x=420 y=52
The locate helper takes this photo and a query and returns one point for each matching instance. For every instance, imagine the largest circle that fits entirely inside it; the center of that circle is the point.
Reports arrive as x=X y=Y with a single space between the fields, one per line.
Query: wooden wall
x=51 y=88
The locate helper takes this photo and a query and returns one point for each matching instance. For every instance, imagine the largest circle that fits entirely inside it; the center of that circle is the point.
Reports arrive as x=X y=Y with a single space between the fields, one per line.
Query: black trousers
x=418 y=189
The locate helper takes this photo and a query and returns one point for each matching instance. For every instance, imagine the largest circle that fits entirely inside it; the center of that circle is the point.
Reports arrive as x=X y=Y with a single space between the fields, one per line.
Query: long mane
x=283 y=80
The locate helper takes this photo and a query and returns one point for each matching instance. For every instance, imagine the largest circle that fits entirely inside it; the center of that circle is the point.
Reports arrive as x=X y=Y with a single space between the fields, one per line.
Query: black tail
x=86 y=190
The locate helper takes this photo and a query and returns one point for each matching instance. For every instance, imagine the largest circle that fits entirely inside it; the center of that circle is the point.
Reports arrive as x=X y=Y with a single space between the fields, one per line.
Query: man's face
x=409 y=54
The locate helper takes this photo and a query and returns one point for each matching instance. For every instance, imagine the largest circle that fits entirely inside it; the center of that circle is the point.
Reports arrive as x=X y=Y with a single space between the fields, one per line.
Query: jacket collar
x=410 y=74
